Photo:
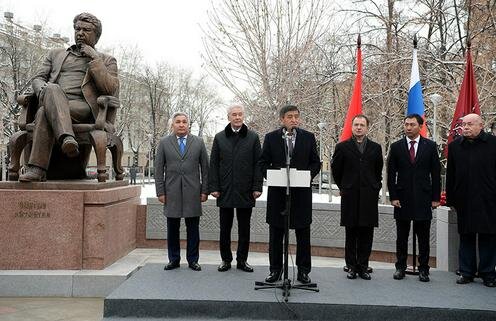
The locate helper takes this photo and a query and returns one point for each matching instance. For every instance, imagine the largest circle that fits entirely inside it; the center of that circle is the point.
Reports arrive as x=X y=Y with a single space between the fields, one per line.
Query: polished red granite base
x=64 y=226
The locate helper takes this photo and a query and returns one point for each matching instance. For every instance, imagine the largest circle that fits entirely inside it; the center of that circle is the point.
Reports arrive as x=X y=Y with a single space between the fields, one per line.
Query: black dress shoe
x=424 y=276
x=303 y=277
x=489 y=282
x=243 y=266
x=399 y=274
x=273 y=277
x=171 y=266
x=194 y=266
x=224 y=266
x=364 y=275
x=346 y=268
x=464 y=279
x=351 y=275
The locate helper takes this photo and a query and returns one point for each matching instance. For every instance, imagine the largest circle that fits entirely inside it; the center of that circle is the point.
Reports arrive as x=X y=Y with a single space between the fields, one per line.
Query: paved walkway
x=79 y=309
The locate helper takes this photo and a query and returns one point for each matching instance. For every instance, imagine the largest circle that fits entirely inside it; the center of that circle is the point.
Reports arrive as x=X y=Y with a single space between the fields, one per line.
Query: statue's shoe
x=33 y=174
x=70 y=147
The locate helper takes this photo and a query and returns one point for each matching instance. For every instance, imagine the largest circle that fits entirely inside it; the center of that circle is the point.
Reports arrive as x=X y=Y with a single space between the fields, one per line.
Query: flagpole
x=355 y=106
x=467 y=102
x=413 y=270
x=414 y=234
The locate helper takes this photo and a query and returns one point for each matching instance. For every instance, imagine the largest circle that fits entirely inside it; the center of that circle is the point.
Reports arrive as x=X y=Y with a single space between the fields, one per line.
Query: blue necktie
x=182 y=145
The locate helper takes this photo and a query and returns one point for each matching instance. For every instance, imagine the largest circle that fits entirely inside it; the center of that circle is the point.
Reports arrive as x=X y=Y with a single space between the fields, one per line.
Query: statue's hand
x=109 y=128
x=89 y=51
x=41 y=92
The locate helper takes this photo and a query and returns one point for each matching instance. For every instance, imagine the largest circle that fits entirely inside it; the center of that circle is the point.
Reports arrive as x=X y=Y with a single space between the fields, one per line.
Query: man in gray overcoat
x=181 y=171
x=235 y=180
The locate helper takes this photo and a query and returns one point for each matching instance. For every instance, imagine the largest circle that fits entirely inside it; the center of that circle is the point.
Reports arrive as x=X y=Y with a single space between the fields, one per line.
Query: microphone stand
x=286 y=285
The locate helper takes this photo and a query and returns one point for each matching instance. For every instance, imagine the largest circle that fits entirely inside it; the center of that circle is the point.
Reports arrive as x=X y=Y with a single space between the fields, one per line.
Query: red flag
x=355 y=107
x=467 y=103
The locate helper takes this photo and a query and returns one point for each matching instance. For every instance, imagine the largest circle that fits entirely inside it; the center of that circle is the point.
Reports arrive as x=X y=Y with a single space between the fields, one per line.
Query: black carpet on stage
x=183 y=294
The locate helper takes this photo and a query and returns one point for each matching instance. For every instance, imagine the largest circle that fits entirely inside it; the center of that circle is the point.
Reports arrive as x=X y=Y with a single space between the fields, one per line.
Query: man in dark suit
x=471 y=190
x=67 y=87
x=414 y=183
x=357 y=170
x=303 y=150
x=235 y=180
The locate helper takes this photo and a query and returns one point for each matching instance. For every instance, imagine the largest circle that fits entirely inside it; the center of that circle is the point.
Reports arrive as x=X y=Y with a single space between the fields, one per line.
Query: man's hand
x=435 y=204
x=215 y=194
x=89 y=51
x=396 y=203
x=162 y=199
x=256 y=194
x=203 y=197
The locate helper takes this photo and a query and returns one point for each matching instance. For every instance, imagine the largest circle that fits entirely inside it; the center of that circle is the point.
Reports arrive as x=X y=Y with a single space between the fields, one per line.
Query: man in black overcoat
x=414 y=184
x=471 y=190
x=235 y=180
x=303 y=149
x=357 y=170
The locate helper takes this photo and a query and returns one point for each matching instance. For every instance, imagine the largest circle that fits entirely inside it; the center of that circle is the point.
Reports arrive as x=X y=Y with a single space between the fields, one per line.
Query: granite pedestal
x=448 y=239
x=66 y=225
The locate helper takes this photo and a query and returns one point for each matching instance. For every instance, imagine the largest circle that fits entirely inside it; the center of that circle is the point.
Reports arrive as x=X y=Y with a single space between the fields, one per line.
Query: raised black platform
x=183 y=294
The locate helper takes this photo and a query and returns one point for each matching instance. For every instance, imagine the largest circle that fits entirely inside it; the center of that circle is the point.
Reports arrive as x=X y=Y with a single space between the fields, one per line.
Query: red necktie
x=412 y=151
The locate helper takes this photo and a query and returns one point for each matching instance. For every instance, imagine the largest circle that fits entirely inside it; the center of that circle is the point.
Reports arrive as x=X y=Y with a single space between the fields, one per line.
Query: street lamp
x=150 y=136
x=322 y=126
x=435 y=99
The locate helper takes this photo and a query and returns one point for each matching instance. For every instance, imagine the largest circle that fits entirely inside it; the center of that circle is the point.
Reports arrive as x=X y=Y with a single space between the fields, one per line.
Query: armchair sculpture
x=98 y=135
x=71 y=110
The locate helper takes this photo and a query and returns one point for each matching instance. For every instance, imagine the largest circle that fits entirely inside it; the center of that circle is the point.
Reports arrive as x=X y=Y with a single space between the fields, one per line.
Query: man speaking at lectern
x=303 y=150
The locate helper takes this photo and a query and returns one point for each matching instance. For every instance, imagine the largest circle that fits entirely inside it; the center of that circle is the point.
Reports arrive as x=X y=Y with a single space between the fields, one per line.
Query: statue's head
x=87 y=29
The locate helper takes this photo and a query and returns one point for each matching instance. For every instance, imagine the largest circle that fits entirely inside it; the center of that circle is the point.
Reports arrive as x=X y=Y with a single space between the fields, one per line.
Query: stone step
x=70 y=283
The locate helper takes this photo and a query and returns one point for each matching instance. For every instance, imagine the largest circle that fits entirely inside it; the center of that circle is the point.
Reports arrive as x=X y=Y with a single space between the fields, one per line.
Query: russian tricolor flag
x=415 y=99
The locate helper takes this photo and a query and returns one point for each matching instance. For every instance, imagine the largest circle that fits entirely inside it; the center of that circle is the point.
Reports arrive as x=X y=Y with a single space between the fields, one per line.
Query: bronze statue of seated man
x=67 y=88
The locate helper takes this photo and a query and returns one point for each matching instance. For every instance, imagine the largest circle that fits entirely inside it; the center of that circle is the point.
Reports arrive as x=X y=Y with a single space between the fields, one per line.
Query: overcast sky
x=166 y=30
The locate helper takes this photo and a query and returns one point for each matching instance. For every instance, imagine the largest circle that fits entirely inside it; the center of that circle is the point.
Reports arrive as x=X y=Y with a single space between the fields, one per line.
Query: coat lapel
x=420 y=149
x=175 y=145
x=367 y=147
x=353 y=147
x=405 y=151
x=299 y=142
x=86 y=79
x=189 y=141
x=282 y=143
x=58 y=64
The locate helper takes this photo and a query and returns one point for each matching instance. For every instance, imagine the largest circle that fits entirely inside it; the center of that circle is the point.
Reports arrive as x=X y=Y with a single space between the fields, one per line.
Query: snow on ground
x=148 y=190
